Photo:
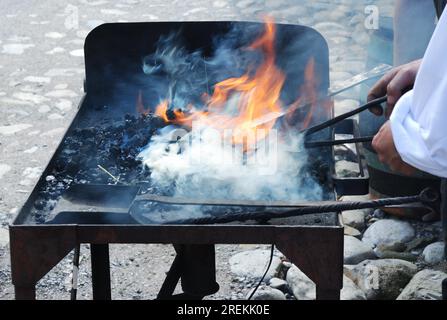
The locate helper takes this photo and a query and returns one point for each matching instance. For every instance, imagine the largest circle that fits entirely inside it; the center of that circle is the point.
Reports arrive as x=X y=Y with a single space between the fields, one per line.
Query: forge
x=123 y=145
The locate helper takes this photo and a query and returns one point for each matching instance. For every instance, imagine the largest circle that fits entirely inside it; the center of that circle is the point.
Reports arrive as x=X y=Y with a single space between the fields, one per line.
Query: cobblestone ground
x=41 y=76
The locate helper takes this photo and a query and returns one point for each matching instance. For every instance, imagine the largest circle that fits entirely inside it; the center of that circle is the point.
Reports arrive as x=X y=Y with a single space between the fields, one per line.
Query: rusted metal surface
x=35 y=250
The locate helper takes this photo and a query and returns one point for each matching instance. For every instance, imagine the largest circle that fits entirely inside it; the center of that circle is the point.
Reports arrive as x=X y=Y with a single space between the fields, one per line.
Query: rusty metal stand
x=25 y=293
x=100 y=272
x=34 y=253
x=322 y=263
x=317 y=251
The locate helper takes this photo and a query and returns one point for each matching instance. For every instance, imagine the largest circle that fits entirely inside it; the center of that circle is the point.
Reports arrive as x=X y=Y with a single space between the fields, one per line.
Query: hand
x=383 y=143
x=394 y=84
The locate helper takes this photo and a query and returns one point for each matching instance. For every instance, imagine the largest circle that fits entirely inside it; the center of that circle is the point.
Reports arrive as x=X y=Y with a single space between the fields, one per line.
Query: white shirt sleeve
x=419 y=119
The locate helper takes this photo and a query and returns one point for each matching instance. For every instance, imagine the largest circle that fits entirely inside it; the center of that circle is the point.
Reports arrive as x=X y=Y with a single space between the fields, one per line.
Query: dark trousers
x=439 y=5
x=444 y=228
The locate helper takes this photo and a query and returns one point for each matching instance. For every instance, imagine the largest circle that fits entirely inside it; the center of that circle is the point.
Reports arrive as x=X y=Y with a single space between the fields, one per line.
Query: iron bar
x=370 y=105
x=329 y=143
x=427 y=196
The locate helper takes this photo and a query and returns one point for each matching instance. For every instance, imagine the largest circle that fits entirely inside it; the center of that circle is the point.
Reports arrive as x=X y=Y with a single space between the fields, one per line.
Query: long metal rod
x=279 y=204
x=75 y=273
x=328 y=143
x=372 y=104
x=231 y=203
x=427 y=196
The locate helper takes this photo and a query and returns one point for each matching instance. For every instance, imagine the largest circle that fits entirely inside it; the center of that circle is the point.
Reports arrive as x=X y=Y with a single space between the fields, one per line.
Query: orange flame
x=257 y=94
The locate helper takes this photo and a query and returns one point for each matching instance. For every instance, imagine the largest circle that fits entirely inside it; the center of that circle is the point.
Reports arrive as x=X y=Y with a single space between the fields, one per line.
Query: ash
x=111 y=145
x=116 y=146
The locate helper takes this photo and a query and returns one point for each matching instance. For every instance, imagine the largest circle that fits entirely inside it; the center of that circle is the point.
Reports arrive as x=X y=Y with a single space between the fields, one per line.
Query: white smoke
x=204 y=165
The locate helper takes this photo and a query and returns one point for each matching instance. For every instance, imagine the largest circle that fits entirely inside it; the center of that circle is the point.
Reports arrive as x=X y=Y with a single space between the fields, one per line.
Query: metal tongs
x=373 y=104
x=88 y=203
x=428 y=197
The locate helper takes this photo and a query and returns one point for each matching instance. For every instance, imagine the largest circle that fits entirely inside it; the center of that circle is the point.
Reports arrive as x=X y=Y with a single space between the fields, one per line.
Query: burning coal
x=228 y=143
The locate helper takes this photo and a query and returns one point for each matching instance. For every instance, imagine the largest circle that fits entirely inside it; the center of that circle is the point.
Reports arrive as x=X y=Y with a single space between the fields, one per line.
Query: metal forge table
x=316 y=248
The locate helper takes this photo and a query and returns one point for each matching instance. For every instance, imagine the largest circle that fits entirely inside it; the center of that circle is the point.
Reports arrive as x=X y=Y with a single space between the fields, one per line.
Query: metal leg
x=34 y=254
x=100 y=272
x=444 y=290
x=326 y=270
x=327 y=294
x=198 y=269
x=25 y=293
x=172 y=278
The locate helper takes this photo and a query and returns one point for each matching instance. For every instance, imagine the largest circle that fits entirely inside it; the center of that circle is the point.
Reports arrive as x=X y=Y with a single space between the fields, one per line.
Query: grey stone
x=349 y=231
x=351 y=291
x=351 y=66
x=354 y=218
x=267 y=293
x=388 y=232
x=389 y=254
x=340 y=76
x=4 y=237
x=302 y=287
x=425 y=285
x=4 y=168
x=252 y=264
x=434 y=253
x=277 y=283
x=397 y=246
x=276 y=3
x=296 y=12
x=347 y=168
x=364 y=197
x=381 y=279
x=12 y=129
x=379 y=214
x=346 y=104
x=366 y=212
x=246 y=3
x=329 y=26
x=356 y=251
